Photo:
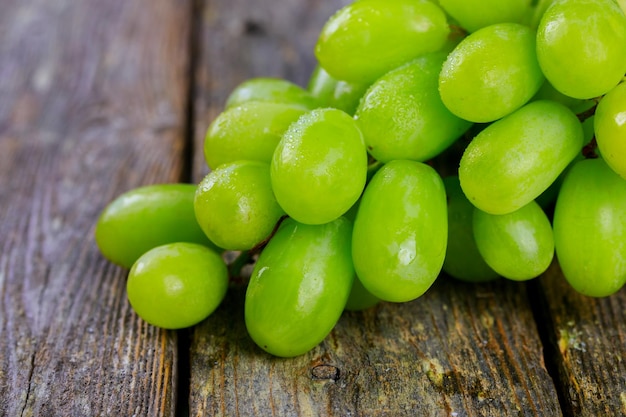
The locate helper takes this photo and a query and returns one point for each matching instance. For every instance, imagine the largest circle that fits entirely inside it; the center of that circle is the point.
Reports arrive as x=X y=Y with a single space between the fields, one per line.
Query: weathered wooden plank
x=92 y=103
x=588 y=347
x=461 y=350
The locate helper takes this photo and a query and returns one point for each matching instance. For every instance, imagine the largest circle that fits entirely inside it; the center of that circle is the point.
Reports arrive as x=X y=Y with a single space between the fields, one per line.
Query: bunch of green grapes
x=432 y=136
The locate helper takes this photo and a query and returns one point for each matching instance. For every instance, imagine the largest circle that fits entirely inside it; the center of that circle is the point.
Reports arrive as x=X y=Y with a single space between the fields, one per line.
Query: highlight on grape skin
x=469 y=140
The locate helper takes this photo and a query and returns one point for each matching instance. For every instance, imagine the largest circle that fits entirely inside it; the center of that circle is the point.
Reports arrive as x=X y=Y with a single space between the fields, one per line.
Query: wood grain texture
x=461 y=350
x=92 y=103
x=588 y=347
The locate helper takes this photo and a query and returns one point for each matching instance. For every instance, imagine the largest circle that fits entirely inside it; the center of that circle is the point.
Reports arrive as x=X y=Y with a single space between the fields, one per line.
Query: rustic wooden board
x=588 y=347
x=92 y=103
x=461 y=350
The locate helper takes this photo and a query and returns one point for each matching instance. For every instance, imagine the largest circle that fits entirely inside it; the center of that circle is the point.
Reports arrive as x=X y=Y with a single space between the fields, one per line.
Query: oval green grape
x=235 y=205
x=274 y=90
x=299 y=286
x=514 y=160
x=401 y=230
x=590 y=228
x=147 y=217
x=518 y=245
x=319 y=167
x=249 y=131
x=364 y=40
x=580 y=46
x=491 y=73
x=177 y=285
x=610 y=128
x=402 y=115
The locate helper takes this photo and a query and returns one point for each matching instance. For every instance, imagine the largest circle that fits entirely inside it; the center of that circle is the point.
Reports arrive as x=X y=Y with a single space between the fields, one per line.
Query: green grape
x=590 y=228
x=491 y=73
x=368 y=38
x=463 y=260
x=514 y=160
x=610 y=129
x=319 y=167
x=476 y=14
x=147 y=217
x=340 y=95
x=274 y=90
x=548 y=92
x=177 y=285
x=580 y=46
x=360 y=298
x=249 y=131
x=402 y=116
x=518 y=245
x=299 y=286
x=322 y=86
x=401 y=230
x=235 y=206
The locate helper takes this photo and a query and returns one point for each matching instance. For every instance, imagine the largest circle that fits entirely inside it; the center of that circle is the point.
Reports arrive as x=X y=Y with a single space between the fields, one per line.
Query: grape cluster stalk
x=475 y=139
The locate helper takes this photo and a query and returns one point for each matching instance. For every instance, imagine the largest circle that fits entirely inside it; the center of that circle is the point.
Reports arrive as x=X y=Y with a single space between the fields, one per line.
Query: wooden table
x=98 y=97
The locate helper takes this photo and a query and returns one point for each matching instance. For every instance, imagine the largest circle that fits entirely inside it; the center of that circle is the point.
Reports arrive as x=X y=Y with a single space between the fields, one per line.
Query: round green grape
x=299 y=286
x=368 y=38
x=340 y=95
x=177 y=285
x=512 y=161
x=463 y=260
x=476 y=14
x=235 y=205
x=519 y=245
x=249 y=131
x=147 y=217
x=319 y=167
x=401 y=231
x=274 y=90
x=580 y=46
x=360 y=298
x=610 y=129
x=402 y=115
x=491 y=73
x=590 y=228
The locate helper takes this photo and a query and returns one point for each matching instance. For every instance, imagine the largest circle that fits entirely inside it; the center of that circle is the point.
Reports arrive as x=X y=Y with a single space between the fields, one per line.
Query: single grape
x=235 y=205
x=517 y=245
x=147 y=217
x=402 y=115
x=249 y=131
x=368 y=38
x=610 y=129
x=580 y=46
x=274 y=90
x=590 y=228
x=333 y=93
x=401 y=230
x=299 y=286
x=491 y=73
x=319 y=167
x=514 y=160
x=360 y=298
x=177 y=285
x=463 y=260
x=476 y=14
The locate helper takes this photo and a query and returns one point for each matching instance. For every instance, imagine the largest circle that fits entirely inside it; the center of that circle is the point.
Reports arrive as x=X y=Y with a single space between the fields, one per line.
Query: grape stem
x=588 y=113
x=247 y=257
x=589 y=150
